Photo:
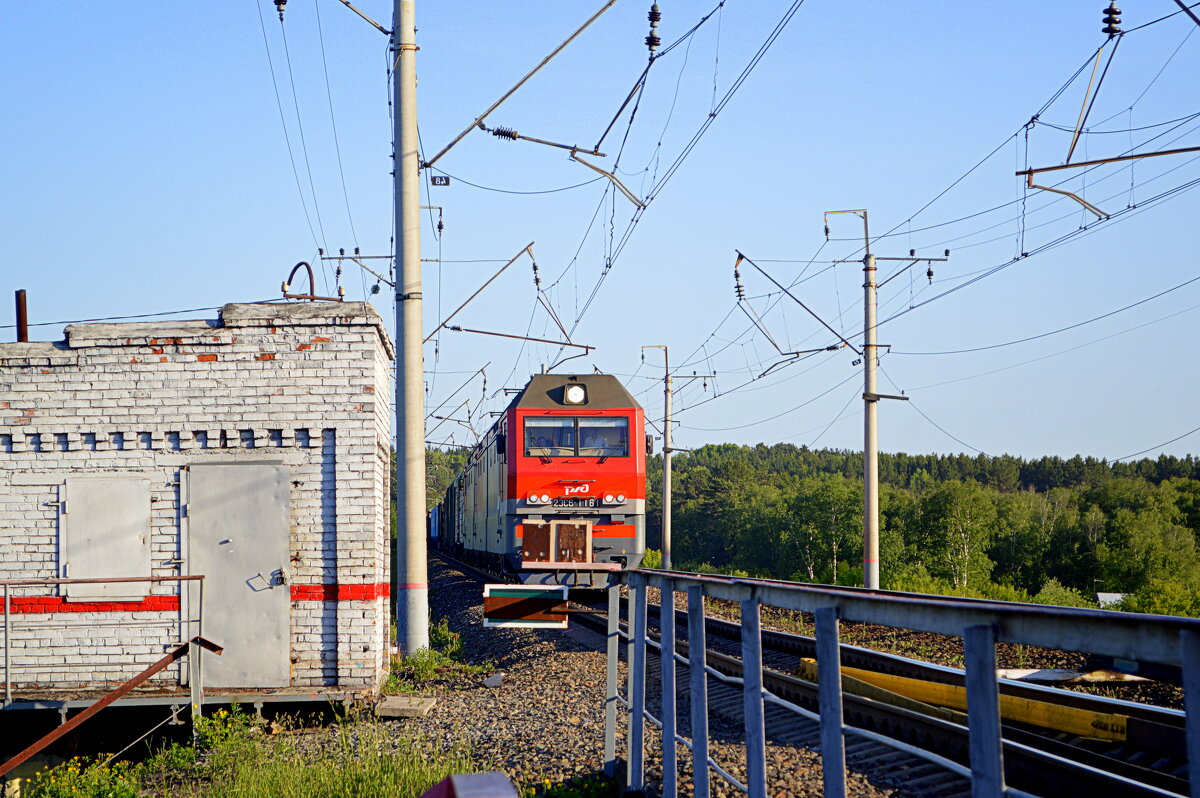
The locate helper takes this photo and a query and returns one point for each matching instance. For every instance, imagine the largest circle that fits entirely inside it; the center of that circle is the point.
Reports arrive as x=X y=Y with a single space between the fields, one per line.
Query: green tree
x=957 y=526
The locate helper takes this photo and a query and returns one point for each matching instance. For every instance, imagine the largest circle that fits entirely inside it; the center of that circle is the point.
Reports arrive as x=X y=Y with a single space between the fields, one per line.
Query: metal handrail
x=981 y=623
x=8 y=584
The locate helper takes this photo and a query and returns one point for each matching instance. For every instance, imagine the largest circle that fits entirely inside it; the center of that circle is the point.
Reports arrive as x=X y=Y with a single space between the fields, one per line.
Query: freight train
x=555 y=491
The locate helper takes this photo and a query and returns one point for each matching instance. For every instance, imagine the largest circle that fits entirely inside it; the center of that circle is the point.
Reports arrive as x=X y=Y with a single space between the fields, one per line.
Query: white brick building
x=253 y=449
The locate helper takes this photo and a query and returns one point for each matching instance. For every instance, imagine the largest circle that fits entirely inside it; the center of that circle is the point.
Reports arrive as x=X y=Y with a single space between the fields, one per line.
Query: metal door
x=238 y=521
x=105 y=532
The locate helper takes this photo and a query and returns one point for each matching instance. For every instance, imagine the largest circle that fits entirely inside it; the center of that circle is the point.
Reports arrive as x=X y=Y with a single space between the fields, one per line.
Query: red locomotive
x=555 y=492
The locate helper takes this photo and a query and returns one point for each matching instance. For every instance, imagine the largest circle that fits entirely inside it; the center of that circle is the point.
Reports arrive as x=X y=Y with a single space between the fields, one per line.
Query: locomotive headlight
x=545 y=498
x=533 y=498
x=575 y=394
x=608 y=498
x=620 y=498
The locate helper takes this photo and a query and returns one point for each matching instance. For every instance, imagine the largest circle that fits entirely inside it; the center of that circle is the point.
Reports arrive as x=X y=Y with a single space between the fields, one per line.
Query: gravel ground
x=546 y=720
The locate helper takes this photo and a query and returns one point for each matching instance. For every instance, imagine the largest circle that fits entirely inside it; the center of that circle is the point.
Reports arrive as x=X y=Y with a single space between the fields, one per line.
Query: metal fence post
x=7 y=673
x=698 y=698
x=637 y=704
x=610 y=680
x=752 y=699
x=983 y=713
x=194 y=683
x=829 y=678
x=1190 y=643
x=666 y=625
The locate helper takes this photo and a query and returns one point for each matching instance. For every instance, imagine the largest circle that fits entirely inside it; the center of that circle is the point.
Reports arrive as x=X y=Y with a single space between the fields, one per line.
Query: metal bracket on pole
x=629 y=195
x=875 y=397
x=511 y=261
x=1029 y=173
x=609 y=4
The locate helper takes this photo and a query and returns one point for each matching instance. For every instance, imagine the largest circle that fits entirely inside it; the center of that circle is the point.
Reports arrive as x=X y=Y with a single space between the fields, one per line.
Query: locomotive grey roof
x=545 y=392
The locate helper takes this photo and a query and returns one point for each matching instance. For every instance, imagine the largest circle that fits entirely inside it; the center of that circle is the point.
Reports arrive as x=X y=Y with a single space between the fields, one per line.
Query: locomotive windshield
x=560 y=436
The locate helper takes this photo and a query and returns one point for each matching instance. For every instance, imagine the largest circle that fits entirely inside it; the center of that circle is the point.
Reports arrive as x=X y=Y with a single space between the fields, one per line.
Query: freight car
x=555 y=491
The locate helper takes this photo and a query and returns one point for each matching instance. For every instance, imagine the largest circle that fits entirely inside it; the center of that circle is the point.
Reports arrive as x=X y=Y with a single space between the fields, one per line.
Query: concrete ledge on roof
x=37 y=353
x=301 y=312
x=147 y=333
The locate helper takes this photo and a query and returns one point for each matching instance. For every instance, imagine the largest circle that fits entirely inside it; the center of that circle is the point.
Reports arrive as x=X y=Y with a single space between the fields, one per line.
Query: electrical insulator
x=737 y=284
x=947 y=253
x=440 y=228
x=929 y=274
x=279 y=4
x=1112 y=19
x=505 y=133
x=321 y=251
x=653 y=40
x=912 y=253
x=356 y=252
x=342 y=251
x=827 y=231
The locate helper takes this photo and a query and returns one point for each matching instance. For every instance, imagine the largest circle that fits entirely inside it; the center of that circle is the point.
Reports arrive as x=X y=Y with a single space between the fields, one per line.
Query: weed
x=593 y=785
x=83 y=776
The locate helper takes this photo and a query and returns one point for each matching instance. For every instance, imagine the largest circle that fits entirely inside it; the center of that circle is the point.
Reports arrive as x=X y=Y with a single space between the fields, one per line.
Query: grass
x=444 y=659
x=234 y=755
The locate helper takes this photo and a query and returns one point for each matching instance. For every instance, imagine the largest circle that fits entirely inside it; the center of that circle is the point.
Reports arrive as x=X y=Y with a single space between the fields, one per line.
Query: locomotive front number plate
x=573 y=502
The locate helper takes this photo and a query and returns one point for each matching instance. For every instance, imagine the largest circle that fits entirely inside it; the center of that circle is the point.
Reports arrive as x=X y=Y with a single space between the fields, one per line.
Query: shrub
x=652 y=559
x=1164 y=597
x=1054 y=592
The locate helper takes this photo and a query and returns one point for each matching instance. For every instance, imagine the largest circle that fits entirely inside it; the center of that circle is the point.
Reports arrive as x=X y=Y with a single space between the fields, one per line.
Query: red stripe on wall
x=44 y=604
x=32 y=604
x=341 y=592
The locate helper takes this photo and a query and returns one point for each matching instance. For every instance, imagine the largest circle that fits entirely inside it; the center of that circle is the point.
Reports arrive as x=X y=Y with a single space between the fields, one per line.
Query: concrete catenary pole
x=412 y=588
x=870 y=432
x=667 y=452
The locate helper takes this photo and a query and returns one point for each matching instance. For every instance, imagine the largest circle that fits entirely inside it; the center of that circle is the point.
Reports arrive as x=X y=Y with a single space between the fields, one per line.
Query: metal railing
x=173 y=619
x=981 y=624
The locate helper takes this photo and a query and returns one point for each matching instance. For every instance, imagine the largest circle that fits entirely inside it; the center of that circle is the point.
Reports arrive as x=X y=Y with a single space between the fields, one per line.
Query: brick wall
x=306 y=385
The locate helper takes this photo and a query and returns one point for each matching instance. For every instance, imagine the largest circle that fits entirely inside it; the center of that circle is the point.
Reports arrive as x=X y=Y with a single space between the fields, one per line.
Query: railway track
x=1155 y=737
x=1150 y=760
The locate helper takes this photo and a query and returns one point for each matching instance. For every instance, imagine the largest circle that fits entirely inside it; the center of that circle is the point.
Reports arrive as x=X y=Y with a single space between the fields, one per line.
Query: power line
x=1059 y=330
x=137 y=315
x=333 y=123
x=1061 y=351
x=513 y=191
x=283 y=121
x=300 y=126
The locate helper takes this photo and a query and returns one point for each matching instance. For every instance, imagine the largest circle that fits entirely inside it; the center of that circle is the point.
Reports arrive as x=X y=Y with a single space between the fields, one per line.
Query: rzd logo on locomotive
x=576 y=489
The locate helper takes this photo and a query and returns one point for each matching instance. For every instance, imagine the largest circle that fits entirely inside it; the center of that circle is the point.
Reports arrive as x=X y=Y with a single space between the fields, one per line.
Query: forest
x=1050 y=530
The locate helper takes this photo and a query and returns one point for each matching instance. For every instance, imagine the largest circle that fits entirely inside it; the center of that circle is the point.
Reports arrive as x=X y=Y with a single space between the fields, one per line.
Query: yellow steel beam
x=1079 y=722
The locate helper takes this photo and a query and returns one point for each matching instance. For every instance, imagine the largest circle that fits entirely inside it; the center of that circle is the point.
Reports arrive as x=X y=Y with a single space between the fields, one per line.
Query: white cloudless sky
x=152 y=163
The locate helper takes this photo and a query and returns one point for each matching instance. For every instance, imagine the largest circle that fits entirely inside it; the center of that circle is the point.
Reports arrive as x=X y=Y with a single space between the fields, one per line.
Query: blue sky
x=146 y=170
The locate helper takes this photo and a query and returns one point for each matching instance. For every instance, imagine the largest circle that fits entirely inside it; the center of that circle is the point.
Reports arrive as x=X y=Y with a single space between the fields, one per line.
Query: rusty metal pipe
x=22 y=318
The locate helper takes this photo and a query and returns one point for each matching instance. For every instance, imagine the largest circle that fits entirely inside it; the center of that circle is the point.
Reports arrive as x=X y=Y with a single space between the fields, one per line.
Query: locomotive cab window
x=576 y=437
x=604 y=437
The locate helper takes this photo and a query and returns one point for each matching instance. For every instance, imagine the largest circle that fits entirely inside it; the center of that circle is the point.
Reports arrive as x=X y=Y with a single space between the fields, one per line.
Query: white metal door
x=105 y=532
x=238 y=522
